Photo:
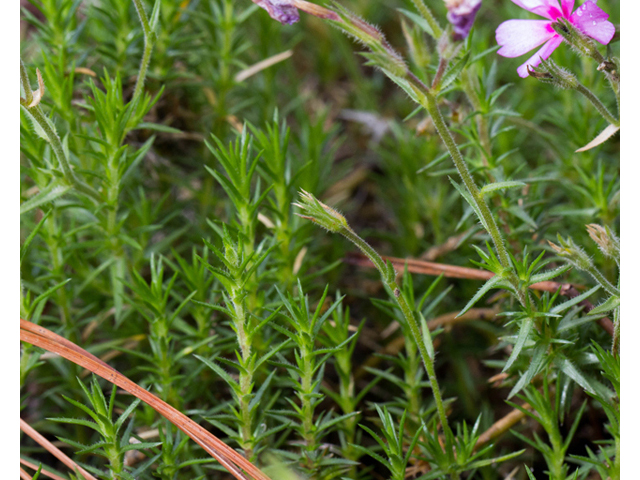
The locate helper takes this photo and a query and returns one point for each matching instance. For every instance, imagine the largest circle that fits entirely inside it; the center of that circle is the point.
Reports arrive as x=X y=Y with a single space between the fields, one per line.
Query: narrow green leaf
x=452 y=73
x=608 y=305
x=491 y=461
x=549 y=274
x=523 y=335
x=418 y=20
x=25 y=246
x=529 y=474
x=219 y=370
x=493 y=282
x=574 y=301
x=589 y=384
x=467 y=196
x=492 y=187
x=50 y=193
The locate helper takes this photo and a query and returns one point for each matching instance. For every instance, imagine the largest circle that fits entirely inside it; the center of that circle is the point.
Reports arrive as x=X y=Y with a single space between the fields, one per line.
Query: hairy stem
x=428 y=16
x=595 y=101
x=481 y=121
x=246 y=373
x=149 y=38
x=601 y=279
x=54 y=140
x=412 y=323
x=467 y=179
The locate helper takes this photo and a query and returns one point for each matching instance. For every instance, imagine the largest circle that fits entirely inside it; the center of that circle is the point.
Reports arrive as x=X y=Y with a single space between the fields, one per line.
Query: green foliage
x=112 y=444
x=163 y=231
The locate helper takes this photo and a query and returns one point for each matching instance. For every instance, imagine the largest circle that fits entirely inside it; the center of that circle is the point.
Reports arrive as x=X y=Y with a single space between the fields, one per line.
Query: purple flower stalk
x=517 y=37
x=461 y=15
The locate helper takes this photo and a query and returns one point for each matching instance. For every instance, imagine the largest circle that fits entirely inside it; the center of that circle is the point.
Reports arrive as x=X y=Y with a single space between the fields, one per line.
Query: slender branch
x=442 y=66
x=428 y=16
x=481 y=120
x=53 y=138
x=407 y=312
x=467 y=179
x=149 y=38
x=601 y=279
x=24 y=79
x=604 y=111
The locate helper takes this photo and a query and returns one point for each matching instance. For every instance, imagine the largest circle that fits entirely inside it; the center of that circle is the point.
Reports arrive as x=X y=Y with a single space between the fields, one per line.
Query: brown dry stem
x=227 y=456
x=53 y=450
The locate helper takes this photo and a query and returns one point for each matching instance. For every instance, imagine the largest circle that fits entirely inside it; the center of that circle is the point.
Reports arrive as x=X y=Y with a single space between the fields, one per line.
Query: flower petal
x=461 y=16
x=567 y=7
x=545 y=8
x=592 y=21
x=544 y=53
x=517 y=37
x=281 y=10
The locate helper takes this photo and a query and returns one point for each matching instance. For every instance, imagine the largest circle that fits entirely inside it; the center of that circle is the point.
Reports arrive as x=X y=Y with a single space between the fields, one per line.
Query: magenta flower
x=517 y=37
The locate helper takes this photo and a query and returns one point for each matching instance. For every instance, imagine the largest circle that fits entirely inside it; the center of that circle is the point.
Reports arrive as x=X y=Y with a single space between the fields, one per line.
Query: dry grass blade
x=449 y=271
x=501 y=426
x=44 y=472
x=258 y=67
x=24 y=475
x=228 y=457
x=53 y=450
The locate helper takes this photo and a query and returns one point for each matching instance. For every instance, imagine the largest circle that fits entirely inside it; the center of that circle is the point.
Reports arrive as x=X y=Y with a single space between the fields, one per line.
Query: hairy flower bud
x=549 y=72
x=461 y=15
x=573 y=253
x=322 y=214
x=607 y=240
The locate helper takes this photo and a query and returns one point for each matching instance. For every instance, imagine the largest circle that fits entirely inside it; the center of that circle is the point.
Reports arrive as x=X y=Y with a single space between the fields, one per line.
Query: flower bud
x=322 y=214
x=573 y=253
x=607 y=241
x=549 y=72
x=461 y=15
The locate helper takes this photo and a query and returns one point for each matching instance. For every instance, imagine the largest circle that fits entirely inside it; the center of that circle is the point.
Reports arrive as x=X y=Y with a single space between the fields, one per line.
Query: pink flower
x=516 y=37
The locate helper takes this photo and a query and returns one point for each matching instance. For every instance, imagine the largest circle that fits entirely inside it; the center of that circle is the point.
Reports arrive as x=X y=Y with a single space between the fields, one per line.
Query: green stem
x=411 y=378
x=481 y=121
x=246 y=373
x=412 y=323
x=148 y=48
x=58 y=265
x=606 y=284
x=428 y=16
x=604 y=111
x=41 y=119
x=24 y=78
x=467 y=179
x=483 y=209
x=306 y=383
x=616 y=332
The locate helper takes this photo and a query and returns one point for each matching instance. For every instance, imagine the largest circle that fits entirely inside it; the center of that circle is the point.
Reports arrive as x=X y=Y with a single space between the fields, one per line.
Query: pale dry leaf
x=603 y=137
